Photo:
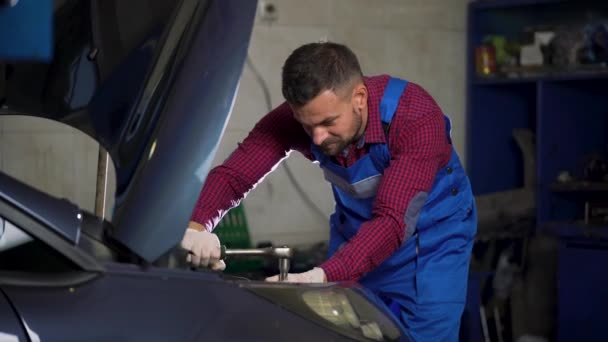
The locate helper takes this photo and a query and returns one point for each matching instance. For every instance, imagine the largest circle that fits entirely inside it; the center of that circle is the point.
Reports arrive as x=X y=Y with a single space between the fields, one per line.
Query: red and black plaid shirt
x=418 y=145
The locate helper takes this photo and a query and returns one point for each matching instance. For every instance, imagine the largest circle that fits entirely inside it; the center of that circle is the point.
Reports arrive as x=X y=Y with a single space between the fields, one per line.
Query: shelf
x=579 y=186
x=566 y=108
x=575 y=229
x=489 y=4
x=549 y=77
x=503 y=80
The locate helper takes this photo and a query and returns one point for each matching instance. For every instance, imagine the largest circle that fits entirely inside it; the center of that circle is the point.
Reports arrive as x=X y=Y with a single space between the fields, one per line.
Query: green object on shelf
x=233 y=232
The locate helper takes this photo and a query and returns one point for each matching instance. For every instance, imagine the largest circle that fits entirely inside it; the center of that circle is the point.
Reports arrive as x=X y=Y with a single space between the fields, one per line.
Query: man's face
x=332 y=121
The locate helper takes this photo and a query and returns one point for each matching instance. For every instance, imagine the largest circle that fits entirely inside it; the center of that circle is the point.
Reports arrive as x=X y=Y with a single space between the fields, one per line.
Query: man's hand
x=316 y=275
x=204 y=249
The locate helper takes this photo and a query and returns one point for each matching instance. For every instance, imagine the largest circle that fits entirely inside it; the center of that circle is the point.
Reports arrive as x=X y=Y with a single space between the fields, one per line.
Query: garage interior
x=524 y=83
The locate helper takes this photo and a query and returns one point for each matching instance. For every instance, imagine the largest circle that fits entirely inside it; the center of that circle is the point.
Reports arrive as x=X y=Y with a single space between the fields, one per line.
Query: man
x=405 y=218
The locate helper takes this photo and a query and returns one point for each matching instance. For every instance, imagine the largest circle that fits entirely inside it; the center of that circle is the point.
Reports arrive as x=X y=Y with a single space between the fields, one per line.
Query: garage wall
x=50 y=156
x=420 y=40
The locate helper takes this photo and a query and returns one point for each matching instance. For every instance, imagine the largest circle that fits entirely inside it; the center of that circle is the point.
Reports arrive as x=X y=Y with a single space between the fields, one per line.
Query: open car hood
x=154 y=82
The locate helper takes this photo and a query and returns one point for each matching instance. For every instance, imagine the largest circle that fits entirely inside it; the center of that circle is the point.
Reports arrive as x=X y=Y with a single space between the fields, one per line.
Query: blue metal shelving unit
x=568 y=112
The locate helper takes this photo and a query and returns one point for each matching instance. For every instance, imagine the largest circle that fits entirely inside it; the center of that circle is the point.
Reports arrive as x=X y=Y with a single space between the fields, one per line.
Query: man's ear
x=360 y=96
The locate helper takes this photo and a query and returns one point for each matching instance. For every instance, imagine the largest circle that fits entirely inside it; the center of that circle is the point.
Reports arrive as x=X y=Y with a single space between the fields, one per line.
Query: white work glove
x=316 y=275
x=204 y=249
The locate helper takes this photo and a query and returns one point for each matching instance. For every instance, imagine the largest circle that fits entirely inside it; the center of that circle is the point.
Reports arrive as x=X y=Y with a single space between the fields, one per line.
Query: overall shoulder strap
x=388 y=105
x=390 y=99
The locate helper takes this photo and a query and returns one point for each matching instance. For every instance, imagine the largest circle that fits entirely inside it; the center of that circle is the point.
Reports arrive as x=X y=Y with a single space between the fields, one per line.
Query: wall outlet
x=267 y=11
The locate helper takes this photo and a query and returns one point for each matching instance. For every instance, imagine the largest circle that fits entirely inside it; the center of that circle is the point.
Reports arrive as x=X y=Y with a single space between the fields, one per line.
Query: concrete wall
x=420 y=40
x=50 y=156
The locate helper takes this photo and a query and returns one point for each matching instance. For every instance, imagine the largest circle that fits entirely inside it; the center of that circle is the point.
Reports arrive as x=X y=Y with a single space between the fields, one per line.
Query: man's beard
x=333 y=146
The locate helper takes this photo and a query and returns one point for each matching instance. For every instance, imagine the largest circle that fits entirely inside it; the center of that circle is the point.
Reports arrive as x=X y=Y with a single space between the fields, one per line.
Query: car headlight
x=344 y=310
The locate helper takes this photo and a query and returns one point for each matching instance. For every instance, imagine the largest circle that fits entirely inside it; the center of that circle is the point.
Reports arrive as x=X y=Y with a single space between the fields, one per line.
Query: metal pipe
x=101 y=188
x=283 y=268
x=484 y=324
x=284 y=254
x=279 y=252
x=248 y=252
x=498 y=324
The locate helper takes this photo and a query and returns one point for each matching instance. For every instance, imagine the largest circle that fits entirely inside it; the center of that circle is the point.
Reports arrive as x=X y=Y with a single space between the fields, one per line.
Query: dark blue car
x=154 y=83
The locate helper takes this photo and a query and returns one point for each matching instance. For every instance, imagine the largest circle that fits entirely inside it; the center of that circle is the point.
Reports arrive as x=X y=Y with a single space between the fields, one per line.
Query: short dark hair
x=315 y=67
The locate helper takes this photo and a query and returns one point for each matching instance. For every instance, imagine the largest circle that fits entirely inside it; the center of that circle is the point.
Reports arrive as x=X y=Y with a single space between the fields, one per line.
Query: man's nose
x=319 y=135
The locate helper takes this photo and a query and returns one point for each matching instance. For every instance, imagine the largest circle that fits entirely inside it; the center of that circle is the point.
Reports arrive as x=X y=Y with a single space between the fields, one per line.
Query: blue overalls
x=424 y=282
